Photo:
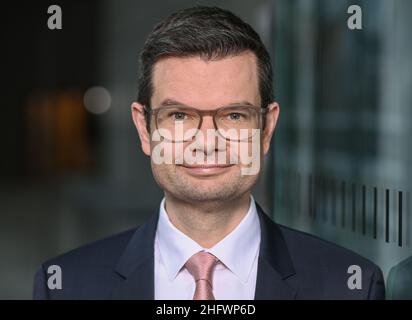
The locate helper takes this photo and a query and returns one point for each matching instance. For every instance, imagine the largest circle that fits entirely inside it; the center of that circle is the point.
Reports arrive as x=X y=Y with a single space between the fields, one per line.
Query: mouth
x=206 y=169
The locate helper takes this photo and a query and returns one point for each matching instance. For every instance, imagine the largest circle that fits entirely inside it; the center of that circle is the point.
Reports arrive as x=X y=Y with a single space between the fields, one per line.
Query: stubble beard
x=221 y=188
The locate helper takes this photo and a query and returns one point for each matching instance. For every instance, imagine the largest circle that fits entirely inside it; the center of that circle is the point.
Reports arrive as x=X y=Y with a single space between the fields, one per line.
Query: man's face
x=205 y=85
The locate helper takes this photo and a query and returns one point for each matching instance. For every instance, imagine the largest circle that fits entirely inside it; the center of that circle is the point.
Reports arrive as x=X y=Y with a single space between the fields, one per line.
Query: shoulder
x=400 y=280
x=85 y=272
x=316 y=268
x=306 y=245
x=329 y=266
x=104 y=252
x=405 y=265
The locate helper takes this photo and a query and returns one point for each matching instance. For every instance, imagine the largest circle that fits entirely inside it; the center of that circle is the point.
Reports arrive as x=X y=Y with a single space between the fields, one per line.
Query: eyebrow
x=172 y=102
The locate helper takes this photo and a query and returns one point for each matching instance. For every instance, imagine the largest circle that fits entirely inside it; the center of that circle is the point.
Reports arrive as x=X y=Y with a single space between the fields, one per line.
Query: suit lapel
x=135 y=269
x=275 y=272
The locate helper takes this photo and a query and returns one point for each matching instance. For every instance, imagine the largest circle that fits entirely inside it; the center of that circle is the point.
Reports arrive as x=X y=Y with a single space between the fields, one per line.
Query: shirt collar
x=237 y=251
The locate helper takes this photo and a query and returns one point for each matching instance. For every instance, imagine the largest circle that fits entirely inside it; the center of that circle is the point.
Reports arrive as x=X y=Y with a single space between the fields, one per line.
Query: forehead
x=206 y=83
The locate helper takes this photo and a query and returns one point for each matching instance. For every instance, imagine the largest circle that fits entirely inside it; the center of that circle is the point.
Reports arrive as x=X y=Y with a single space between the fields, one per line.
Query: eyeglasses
x=234 y=123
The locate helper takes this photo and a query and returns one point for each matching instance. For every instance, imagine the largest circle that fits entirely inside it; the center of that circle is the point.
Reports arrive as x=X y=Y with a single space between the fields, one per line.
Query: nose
x=207 y=139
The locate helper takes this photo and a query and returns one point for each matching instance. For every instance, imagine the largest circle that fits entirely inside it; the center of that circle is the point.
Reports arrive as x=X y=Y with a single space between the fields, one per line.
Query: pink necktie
x=201 y=266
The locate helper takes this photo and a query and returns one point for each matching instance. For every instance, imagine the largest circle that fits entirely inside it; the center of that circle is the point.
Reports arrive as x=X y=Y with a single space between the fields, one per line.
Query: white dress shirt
x=238 y=251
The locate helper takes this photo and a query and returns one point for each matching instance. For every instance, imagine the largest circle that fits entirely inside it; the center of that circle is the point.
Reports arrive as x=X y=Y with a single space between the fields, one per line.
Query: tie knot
x=201 y=266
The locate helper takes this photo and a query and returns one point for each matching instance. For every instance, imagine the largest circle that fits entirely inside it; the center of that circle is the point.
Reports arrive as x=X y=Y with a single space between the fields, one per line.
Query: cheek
x=163 y=174
x=245 y=152
x=160 y=158
x=164 y=152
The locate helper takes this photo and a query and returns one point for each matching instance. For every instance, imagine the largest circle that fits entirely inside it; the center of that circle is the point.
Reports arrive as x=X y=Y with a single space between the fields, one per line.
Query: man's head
x=204 y=58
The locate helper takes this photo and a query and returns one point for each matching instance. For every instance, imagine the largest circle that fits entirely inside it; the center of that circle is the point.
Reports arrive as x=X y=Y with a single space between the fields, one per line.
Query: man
x=205 y=96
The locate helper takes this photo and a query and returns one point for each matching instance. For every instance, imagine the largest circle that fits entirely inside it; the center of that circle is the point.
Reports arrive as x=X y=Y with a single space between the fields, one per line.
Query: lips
x=206 y=166
x=206 y=169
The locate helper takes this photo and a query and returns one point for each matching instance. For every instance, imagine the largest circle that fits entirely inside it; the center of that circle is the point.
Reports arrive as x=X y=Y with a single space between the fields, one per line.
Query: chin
x=210 y=191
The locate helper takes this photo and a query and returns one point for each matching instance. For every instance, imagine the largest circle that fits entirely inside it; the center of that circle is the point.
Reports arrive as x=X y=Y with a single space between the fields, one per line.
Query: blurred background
x=71 y=168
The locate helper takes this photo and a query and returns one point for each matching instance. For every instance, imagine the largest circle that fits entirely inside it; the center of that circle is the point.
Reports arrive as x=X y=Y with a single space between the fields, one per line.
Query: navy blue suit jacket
x=291 y=265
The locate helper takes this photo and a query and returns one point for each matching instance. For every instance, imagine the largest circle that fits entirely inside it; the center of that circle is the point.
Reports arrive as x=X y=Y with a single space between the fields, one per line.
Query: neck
x=208 y=222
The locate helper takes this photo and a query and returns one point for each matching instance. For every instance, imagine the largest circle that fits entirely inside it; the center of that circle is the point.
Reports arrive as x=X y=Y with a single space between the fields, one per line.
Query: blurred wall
x=342 y=154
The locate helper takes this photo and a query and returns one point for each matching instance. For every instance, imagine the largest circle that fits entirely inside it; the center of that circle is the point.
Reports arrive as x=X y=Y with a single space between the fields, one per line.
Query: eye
x=235 y=116
x=179 y=116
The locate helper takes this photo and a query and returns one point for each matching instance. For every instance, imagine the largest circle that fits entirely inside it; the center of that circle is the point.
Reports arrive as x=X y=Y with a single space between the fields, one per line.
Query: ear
x=272 y=115
x=139 y=119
